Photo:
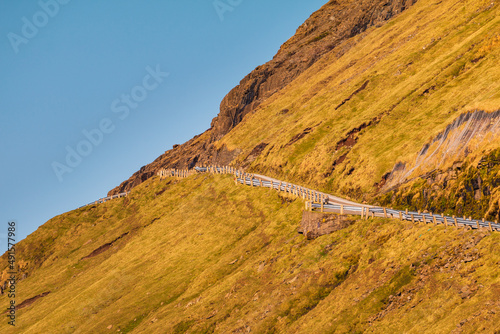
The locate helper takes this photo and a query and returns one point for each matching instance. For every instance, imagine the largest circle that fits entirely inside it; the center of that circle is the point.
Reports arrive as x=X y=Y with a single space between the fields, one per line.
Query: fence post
x=425 y=221
x=406 y=212
x=385 y=212
x=477 y=224
x=400 y=215
x=434 y=219
x=322 y=206
x=341 y=209
x=412 y=219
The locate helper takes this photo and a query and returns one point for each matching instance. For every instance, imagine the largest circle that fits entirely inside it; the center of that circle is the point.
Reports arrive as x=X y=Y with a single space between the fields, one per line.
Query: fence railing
x=323 y=202
x=175 y=172
x=105 y=199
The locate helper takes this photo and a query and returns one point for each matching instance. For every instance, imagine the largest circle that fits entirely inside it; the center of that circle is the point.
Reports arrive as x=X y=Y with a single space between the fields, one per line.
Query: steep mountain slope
x=330 y=27
x=368 y=106
x=346 y=122
x=201 y=255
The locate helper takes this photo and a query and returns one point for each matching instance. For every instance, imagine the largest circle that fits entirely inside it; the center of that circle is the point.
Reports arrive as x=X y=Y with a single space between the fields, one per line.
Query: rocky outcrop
x=329 y=28
x=316 y=224
x=466 y=134
x=458 y=171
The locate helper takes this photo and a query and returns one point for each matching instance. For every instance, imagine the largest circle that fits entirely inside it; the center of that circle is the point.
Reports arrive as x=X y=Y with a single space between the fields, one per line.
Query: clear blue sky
x=67 y=66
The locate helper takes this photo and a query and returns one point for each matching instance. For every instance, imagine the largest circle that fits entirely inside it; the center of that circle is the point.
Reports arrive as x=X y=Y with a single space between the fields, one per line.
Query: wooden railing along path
x=105 y=199
x=319 y=201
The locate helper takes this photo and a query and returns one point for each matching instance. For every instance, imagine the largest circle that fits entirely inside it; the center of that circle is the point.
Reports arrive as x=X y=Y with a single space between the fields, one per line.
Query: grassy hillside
x=201 y=255
x=352 y=116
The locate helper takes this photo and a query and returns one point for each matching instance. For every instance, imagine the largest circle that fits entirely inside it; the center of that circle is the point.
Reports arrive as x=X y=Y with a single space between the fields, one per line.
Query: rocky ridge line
x=326 y=29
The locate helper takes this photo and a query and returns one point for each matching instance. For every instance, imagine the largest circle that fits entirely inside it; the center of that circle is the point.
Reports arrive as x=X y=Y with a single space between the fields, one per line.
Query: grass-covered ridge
x=201 y=255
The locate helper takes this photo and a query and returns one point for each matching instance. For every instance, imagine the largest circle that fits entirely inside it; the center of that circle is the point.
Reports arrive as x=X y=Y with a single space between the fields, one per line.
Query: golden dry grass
x=205 y=256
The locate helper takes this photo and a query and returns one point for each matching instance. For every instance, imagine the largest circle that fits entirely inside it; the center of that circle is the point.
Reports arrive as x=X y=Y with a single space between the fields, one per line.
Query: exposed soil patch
x=299 y=136
x=382 y=182
x=352 y=136
x=428 y=90
x=335 y=164
x=257 y=150
x=164 y=189
x=104 y=247
x=475 y=60
x=360 y=89
x=349 y=141
x=285 y=199
x=31 y=300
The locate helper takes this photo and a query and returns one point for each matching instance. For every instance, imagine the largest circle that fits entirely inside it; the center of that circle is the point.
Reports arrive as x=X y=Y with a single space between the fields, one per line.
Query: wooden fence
x=105 y=199
x=323 y=202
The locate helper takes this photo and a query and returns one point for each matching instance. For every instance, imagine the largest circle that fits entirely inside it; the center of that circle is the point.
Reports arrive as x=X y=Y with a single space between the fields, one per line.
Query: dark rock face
x=326 y=29
x=334 y=23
